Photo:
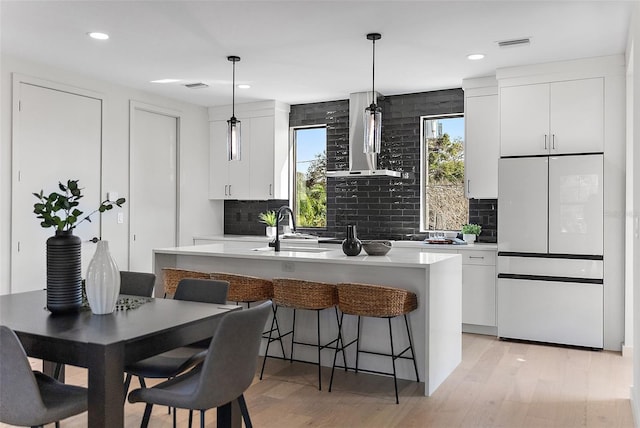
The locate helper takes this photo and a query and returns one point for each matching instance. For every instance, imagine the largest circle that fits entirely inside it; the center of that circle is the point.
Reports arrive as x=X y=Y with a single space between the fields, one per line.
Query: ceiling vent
x=514 y=42
x=199 y=85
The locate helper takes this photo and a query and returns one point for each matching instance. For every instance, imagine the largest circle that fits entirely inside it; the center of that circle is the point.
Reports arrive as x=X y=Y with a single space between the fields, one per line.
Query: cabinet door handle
x=545 y=141
x=476 y=257
x=270 y=192
x=229 y=189
x=225 y=189
x=468 y=187
x=553 y=141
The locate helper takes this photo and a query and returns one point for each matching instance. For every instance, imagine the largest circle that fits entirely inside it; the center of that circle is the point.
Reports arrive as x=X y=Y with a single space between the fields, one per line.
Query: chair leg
x=319 y=353
x=278 y=331
x=358 y=345
x=57 y=424
x=142 y=383
x=266 y=351
x=190 y=417
x=393 y=360
x=293 y=335
x=127 y=383
x=146 y=416
x=174 y=416
x=202 y=418
x=413 y=354
x=245 y=412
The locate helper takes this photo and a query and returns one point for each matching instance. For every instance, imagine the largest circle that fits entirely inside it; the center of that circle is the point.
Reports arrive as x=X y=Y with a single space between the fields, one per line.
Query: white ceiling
x=304 y=51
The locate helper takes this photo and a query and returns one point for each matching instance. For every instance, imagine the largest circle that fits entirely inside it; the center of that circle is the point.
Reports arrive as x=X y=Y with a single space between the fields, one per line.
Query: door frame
x=17 y=80
x=176 y=114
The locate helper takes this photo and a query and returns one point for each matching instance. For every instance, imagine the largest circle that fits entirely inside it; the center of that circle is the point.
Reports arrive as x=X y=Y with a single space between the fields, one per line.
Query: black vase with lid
x=351 y=246
x=64 y=272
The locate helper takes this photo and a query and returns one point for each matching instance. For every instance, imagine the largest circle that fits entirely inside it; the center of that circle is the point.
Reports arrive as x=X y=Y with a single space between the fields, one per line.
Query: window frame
x=424 y=223
x=293 y=152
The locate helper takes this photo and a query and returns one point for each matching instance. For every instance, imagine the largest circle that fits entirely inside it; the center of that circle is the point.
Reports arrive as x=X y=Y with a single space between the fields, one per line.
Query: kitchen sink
x=295 y=249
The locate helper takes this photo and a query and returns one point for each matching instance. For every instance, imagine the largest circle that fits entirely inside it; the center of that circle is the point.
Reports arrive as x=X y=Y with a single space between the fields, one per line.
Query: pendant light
x=233 y=124
x=373 y=113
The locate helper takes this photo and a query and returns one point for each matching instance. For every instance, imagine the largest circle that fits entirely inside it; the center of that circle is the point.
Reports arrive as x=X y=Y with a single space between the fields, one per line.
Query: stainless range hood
x=362 y=164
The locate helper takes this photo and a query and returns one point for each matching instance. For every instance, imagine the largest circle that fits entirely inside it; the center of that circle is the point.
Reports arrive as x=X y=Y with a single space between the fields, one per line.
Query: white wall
x=197 y=214
x=633 y=133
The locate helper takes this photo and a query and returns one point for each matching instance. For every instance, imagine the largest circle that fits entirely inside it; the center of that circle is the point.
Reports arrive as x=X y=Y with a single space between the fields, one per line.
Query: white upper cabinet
x=262 y=172
x=482 y=139
x=552 y=118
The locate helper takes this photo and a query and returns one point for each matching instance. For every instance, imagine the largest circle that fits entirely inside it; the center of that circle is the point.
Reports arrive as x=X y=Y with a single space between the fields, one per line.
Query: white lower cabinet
x=478 y=289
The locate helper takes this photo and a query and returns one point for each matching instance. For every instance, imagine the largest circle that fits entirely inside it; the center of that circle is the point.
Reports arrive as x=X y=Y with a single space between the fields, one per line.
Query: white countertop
x=314 y=242
x=399 y=257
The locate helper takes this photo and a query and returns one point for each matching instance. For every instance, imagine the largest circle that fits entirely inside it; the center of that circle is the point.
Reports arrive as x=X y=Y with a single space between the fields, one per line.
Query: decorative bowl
x=376 y=247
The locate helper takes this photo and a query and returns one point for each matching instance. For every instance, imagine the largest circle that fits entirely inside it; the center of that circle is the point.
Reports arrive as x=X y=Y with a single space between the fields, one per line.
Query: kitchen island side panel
x=436 y=324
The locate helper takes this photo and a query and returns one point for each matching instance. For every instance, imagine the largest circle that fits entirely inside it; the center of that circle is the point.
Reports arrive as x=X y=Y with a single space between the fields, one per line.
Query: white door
x=577 y=116
x=524 y=120
x=481 y=146
x=522 y=204
x=57 y=136
x=576 y=204
x=153 y=192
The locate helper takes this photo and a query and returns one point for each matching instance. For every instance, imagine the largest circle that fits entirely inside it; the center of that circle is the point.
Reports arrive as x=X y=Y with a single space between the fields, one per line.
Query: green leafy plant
x=66 y=203
x=471 y=229
x=270 y=218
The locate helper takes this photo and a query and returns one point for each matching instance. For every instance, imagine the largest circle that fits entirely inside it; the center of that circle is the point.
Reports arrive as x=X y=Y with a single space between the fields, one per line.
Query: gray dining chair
x=137 y=283
x=171 y=363
x=30 y=398
x=226 y=373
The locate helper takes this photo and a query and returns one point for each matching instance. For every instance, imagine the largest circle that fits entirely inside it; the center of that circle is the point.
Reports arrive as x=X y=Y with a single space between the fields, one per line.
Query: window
x=310 y=176
x=443 y=202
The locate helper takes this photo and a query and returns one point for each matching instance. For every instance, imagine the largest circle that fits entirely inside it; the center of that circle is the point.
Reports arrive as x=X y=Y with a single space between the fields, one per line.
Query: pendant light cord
x=373 y=72
x=233 y=91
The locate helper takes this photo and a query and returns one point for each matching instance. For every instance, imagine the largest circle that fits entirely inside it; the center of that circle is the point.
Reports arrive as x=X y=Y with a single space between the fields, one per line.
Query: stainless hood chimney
x=362 y=164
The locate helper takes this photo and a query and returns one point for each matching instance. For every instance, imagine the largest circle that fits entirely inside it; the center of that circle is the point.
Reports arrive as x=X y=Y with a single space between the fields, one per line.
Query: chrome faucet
x=276 y=242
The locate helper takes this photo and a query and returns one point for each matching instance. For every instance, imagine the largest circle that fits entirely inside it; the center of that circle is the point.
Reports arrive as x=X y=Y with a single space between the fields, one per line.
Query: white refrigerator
x=550 y=249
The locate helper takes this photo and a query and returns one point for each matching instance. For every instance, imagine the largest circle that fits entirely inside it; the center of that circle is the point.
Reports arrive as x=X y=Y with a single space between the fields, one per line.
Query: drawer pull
x=476 y=257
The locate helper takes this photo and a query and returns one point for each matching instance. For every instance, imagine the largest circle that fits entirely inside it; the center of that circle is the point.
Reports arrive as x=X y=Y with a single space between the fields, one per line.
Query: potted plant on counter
x=64 y=271
x=470 y=232
x=270 y=218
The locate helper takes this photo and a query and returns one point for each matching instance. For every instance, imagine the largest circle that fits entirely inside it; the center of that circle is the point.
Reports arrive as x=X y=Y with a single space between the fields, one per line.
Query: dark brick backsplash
x=379 y=207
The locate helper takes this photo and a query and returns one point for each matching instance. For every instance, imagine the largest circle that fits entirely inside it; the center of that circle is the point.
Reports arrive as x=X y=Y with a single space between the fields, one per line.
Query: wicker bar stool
x=366 y=300
x=249 y=289
x=172 y=276
x=308 y=295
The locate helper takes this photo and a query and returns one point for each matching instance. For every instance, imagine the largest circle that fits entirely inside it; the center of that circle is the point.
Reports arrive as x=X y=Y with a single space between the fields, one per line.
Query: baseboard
x=627 y=351
x=480 y=329
x=635 y=410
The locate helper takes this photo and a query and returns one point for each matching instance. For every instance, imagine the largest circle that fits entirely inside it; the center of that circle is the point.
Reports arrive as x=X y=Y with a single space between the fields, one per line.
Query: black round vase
x=64 y=272
x=352 y=245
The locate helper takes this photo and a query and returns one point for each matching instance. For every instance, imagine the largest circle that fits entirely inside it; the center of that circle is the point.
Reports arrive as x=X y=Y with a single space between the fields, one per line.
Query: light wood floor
x=498 y=384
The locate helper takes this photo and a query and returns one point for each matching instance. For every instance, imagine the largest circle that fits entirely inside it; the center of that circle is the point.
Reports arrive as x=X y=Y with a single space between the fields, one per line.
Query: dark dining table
x=104 y=344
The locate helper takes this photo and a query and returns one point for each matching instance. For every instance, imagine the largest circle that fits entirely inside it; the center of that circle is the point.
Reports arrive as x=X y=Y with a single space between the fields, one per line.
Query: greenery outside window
x=310 y=176
x=443 y=202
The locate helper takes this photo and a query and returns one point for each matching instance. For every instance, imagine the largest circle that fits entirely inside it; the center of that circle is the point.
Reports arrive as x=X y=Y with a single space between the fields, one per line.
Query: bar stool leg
x=293 y=335
x=393 y=360
x=319 y=353
x=413 y=354
x=340 y=341
x=358 y=345
x=266 y=351
x=278 y=331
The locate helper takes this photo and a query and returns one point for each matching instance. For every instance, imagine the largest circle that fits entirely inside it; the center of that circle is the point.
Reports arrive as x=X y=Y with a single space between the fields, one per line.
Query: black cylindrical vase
x=64 y=272
x=352 y=245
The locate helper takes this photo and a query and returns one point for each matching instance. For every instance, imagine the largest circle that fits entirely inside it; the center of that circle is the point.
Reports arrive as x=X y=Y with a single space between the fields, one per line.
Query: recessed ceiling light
x=165 y=81
x=244 y=86
x=98 y=36
x=475 y=57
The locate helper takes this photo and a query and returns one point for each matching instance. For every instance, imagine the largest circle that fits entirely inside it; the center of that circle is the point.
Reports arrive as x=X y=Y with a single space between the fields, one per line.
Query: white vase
x=469 y=238
x=272 y=231
x=103 y=281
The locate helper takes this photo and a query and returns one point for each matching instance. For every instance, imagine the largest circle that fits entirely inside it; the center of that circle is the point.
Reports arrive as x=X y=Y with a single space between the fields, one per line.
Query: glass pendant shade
x=372 y=129
x=234 y=137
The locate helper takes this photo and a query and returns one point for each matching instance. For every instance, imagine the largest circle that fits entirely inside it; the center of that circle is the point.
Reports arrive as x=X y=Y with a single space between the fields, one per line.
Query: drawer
x=471 y=257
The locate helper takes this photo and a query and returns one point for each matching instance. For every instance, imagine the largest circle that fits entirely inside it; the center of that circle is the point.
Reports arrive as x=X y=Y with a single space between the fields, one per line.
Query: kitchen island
x=435 y=278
